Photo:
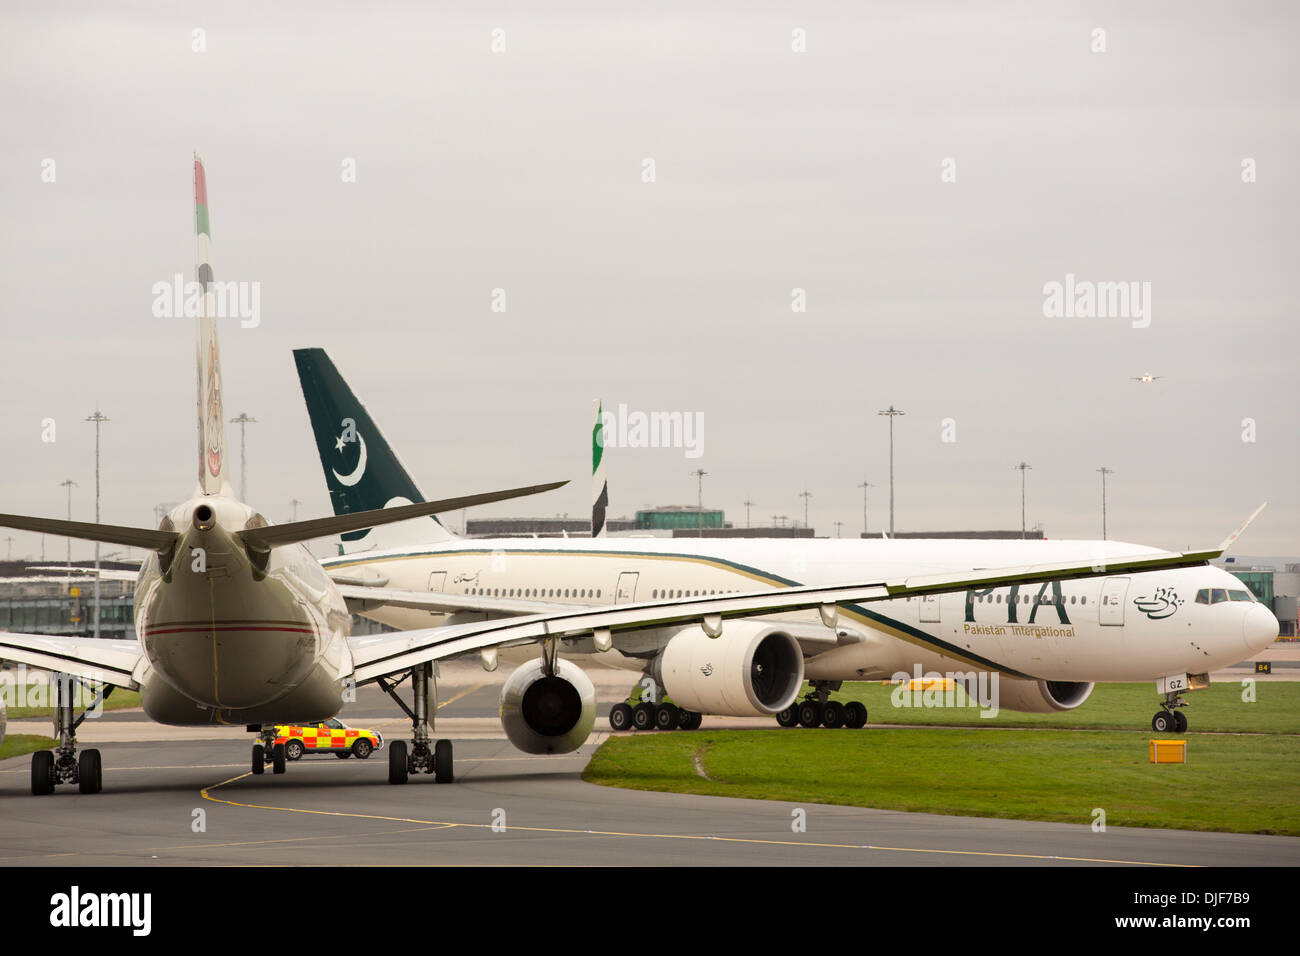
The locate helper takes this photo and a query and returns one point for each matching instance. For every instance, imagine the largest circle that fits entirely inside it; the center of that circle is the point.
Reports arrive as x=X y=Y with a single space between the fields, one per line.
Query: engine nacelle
x=753 y=670
x=1041 y=696
x=548 y=715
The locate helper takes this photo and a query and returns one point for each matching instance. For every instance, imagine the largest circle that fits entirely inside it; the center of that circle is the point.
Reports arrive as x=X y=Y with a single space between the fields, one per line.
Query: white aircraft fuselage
x=1131 y=627
x=225 y=642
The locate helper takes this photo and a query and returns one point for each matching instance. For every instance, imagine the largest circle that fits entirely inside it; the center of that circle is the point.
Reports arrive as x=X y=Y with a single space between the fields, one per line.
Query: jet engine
x=753 y=669
x=548 y=714
x=1041 y=696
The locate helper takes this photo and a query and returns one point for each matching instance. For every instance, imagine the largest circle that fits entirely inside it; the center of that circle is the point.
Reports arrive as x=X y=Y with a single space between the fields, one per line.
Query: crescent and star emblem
x=355 y=475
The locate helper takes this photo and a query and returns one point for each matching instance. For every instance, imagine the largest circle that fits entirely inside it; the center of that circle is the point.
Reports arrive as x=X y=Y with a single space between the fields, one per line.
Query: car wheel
x=293 y=750
x=363 y=748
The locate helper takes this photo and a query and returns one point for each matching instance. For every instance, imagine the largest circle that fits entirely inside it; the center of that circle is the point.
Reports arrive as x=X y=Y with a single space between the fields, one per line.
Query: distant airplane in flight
x=1146 y=378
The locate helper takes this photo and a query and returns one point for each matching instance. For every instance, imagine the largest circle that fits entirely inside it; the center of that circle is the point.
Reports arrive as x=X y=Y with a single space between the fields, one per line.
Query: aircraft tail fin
x=362 y=472
x=212 y=422
x=599 y=485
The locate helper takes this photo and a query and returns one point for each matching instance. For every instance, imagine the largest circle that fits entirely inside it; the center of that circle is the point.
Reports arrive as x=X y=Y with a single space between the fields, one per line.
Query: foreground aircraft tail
x=362 y=472
x=212 y=422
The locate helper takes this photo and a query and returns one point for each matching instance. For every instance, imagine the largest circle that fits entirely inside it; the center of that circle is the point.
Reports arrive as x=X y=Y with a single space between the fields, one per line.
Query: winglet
x=1227 y=542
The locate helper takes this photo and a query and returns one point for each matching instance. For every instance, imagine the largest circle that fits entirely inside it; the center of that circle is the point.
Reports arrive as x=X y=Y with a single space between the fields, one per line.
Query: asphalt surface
x=504 y=808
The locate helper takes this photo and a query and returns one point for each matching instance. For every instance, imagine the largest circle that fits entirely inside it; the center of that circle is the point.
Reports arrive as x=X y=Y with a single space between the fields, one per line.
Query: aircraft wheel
x=293 y=750
x=1163 y=722
x=667 y=717
x=833 y=714
x=363 y=748
x=691 y=720
x=620 y=717
x=42 y=773
x=1180 y=722
x=789 y=717
x=855 y=714
x=442 y=762
x=277 y=758
x=259 y=759
x=90 y=772
x=397 y=769
x=810 y=713
x=643 y=717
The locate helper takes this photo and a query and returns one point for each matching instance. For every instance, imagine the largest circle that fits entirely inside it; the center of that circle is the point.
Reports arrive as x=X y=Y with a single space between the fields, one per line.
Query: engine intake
x=548 y=713
x=752 y=670
x=1041 y=696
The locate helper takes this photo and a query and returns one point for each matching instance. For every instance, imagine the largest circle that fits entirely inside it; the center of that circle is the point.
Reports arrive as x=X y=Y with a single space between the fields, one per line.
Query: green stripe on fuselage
x=900 y=629
x=201 y=220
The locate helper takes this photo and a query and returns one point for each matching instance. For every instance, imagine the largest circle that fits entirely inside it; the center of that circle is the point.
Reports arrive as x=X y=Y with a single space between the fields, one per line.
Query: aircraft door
x=929 y=609
x=437 y=581
x=1113 y=592
x=625 y=593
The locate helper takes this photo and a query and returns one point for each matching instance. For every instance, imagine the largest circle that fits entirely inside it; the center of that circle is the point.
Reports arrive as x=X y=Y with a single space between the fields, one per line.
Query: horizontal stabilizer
x=276 y=535
x=89 y=531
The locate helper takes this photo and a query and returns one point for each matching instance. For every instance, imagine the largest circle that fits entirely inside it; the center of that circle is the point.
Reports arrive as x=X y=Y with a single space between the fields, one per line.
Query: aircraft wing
x=381 y=654
x=363 y=598
x=113 y=662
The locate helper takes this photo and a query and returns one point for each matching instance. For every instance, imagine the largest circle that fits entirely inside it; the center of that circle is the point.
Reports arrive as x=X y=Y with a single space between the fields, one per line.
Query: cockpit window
x=1239 y=595
x=1218 y=596
x=1203 y=596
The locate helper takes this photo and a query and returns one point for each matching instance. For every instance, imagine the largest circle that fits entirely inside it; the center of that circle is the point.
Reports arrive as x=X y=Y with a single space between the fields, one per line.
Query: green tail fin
x=361 y=470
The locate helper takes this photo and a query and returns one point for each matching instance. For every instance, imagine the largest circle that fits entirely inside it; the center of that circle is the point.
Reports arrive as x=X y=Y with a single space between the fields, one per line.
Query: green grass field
x=1275 y=710
x=15 y=745
x=1244 y=777
x=120 y=700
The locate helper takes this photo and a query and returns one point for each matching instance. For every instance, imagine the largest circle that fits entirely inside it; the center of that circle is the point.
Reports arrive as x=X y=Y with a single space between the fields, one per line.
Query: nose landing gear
x=1170 y=719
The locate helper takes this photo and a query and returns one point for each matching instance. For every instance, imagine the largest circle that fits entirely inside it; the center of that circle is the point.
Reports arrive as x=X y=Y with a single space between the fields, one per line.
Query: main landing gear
x=420 y=756
x=64 y=764
x=1170 y=720
x=266 y=750
x=648 y=716
x=817 y=709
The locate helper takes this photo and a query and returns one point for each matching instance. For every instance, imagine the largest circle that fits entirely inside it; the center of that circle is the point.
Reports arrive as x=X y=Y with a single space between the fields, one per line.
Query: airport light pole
x=699 y=473
x=69 y=484
x=99 y=419
x=838 y=525
x=864 y=486
x=9 y=555
x=892 y=413
x=1104 y=472
x=805 y=495
x=748 y=503
x=243 y=420
x=1023 y=467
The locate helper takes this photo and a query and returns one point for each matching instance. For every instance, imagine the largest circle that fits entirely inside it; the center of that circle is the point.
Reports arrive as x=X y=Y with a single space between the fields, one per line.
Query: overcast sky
x=774 y=170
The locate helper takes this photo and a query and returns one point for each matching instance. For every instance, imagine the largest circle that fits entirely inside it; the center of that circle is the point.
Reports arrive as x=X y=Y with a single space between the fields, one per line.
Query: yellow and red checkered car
x=329 y=735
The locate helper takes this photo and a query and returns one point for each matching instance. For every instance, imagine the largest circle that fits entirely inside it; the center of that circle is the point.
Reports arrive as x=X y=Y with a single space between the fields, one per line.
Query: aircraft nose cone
x=1258 y=627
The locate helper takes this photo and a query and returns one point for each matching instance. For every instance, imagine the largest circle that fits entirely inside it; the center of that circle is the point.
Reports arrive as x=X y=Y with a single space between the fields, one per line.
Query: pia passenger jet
x=1116 y=612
